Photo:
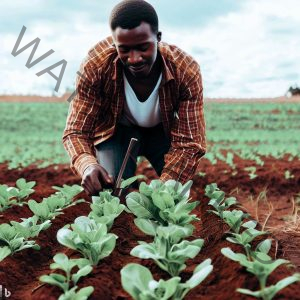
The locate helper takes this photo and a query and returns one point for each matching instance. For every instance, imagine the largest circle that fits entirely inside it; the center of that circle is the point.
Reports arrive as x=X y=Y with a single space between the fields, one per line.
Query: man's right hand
x=94 y=179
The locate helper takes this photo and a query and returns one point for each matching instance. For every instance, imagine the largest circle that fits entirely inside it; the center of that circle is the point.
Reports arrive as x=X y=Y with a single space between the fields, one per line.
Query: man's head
x=134 y=25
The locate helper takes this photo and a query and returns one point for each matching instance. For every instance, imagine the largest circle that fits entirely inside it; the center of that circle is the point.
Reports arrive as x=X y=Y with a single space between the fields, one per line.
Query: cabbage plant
x=139 y=283
x=166 y=203
x=105 y=208
x=261 y=265
x=7 y=199
x=15 y=195
x=89 y=238
x=234 y=219
x=53 y=205
x=167 y=249
x=64 y=282
x=30 y=227
x=12 y=240
x=247 y=236
x=68 y=191
x=218 y=200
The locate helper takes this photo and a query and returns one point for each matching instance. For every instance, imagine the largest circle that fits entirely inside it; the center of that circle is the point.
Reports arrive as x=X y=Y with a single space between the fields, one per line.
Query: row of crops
x=32 y=132
x=163 y=212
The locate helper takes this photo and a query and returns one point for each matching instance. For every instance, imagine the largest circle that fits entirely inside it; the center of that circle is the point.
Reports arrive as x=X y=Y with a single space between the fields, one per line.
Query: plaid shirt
x=98 y=104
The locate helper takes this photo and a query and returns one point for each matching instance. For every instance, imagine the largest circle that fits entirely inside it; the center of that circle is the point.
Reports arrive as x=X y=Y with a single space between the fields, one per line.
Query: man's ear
x=158 y=36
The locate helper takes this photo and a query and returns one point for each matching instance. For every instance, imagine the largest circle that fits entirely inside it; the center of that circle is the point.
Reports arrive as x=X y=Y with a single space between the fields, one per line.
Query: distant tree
x=293 y=91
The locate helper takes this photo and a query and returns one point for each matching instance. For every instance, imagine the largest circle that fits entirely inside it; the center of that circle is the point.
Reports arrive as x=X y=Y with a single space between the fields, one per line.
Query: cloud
x=245 y=50
x=250 y=53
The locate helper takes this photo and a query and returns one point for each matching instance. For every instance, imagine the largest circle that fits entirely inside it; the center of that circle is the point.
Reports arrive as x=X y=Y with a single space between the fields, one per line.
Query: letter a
x=61 y=74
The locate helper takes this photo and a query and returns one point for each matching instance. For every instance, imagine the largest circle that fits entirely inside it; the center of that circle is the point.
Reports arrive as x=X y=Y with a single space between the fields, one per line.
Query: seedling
x=261 y=266
x=15 y=195
x=139 y=283
x=64 y=282
x=48 y=209
x=68 y=192
x=89 y=238
x=288 y=175
x=106 y=208
x=52 y=206
x=246 y=237
x=218 y=200
x=12 y=241
x=167 y=251
x=234 y=219
x=269 y=292
x=251 y=172
x=6 y=198
x=166 y=203
x=29 y=228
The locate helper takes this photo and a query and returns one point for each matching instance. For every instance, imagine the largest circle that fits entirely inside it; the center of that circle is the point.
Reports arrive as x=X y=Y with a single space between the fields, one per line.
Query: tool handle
x=117 y=190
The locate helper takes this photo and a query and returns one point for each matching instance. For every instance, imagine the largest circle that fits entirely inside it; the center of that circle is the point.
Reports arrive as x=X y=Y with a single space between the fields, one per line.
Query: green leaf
x=139 y=205
x=130 y=180
x=287 y=281
x=256 y=294
x=4 y=252
x=135 y=279
x=264 y=246
x=53 y=281
x=84 y=293
x=162 y=200
x=200 y=273
x=81 y=273
x=145 y=251
x=250 y=224
x=65 y=237
x=145 y=225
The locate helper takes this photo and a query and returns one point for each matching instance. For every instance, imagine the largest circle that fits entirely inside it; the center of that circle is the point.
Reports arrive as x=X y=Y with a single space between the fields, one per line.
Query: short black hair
x=129 y=14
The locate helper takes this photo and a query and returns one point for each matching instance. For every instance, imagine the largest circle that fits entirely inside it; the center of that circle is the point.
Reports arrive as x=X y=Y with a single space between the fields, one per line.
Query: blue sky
x=245 y=48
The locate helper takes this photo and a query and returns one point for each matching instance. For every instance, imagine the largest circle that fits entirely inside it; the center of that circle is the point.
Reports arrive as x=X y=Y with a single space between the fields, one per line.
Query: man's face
x=137 y=48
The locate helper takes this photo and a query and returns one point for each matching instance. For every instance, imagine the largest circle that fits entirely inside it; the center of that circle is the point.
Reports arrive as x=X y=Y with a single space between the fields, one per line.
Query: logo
x=4 y=292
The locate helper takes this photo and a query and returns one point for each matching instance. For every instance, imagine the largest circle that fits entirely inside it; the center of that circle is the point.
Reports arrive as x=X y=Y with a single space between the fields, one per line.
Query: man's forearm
x=181 y=165
x=80 y=151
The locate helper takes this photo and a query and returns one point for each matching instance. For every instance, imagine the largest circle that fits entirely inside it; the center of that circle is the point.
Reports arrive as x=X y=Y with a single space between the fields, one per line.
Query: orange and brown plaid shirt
x=97 y=107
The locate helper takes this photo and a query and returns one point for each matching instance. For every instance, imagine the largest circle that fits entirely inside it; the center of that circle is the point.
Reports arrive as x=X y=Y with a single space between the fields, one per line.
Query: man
x=134 y=85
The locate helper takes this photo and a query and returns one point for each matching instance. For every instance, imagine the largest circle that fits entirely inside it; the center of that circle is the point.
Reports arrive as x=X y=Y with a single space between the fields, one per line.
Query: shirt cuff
x=83 y=162
x=167 y=175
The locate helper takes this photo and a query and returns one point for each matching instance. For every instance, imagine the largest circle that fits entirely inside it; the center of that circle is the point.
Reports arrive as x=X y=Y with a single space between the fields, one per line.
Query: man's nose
x=134 y=57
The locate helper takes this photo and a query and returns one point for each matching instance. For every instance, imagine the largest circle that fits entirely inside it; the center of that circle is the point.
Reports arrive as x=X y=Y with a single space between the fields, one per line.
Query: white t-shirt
x=144 y=114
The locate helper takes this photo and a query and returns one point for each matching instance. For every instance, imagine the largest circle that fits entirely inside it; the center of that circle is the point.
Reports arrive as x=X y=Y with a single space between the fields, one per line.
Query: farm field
x=253 y=155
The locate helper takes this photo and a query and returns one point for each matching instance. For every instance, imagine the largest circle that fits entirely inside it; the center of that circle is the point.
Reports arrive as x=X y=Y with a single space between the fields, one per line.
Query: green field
x=31 y=132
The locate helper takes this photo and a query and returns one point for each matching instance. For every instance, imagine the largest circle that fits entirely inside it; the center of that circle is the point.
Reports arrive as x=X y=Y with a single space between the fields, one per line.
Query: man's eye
x=123 y=50
x=143 y=48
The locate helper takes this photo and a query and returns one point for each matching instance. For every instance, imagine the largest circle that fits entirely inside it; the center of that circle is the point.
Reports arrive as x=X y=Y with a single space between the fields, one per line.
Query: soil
x=66 y=96
x=19 y=273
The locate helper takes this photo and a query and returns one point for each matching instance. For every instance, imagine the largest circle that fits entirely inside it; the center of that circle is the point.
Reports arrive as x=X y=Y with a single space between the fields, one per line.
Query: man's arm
x=83 y=112
x=188 y=141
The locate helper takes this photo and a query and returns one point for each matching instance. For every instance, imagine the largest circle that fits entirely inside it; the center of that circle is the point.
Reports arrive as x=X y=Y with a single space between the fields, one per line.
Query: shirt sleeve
x=83 y=111
x=188 y=141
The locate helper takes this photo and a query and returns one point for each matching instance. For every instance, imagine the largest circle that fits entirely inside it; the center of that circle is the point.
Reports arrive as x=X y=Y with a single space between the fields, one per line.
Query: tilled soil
x=19 y=273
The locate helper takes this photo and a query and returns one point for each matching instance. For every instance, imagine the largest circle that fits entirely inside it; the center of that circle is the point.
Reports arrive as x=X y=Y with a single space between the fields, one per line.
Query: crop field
x=231 y=233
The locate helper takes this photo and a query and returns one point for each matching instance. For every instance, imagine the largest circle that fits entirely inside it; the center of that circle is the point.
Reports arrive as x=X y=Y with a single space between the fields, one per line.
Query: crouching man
x=134 y=85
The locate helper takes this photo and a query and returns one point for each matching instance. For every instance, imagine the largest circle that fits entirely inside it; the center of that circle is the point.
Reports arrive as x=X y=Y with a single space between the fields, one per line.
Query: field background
x=253 y=154
x=32 y=131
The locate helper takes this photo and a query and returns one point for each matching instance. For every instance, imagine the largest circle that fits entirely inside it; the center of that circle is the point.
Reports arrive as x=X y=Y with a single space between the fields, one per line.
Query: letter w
x=35 y=42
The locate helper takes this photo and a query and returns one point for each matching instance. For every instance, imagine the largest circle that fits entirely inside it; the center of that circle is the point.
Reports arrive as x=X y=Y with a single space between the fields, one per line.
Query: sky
x=245 y=48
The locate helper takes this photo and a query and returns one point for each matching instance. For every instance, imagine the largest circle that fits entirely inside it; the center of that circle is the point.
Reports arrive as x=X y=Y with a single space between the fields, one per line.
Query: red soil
x=19 y=273
x=66 y=96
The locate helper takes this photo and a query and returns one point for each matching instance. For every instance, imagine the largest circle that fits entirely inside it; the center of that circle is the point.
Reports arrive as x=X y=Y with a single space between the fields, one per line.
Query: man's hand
x=94 y=179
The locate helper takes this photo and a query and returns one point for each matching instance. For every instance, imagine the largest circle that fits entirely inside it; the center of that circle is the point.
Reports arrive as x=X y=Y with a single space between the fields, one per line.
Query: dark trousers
x=152 y=144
